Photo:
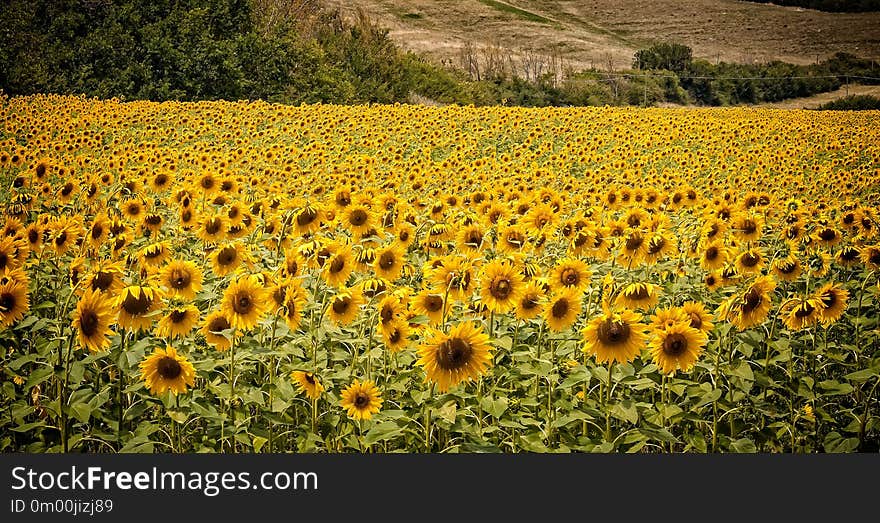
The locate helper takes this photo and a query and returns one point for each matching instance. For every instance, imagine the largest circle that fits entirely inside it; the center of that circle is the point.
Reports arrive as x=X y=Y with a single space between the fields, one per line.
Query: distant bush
x=860 y=102
x=833 y=6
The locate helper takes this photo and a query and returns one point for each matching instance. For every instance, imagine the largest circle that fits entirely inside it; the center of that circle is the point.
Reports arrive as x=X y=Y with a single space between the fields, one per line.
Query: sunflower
x=471 y=238
x=244 y=302
x=345 y=306
x=461 y=355
x=308 y=384
x=361 y=400
x=358 y=219
x=562 y=310
x=714 y=255
x=615 y=336
x=871 y=256
x=677 y=347
x=668 y=316
x=308 y=219
x=750 y=261
x=338 y=267
x=786 y=269
x=179 y=321
x=747 y=227
x=212 y=229
x=751 y=307
x=183 y=278
x=429 y=303
x=98 y=231
x=511 y=239
x=214 y=330
x=136 y=306
x=831 y=300
x=92 y=319
x=570 y=274
x=660 y=245
x=454 y=275
x=633 y=249
x=165 y=370
x=292 y=302
x=501 y=285
x=390 y=309
x=132 y=209
x=396 y=335
x=530 y=303
x=799 y=313
x=699 y=318
x=389 y=262
x=226 y=259
x=9 y=260
x=639 y=295
x=154 y=254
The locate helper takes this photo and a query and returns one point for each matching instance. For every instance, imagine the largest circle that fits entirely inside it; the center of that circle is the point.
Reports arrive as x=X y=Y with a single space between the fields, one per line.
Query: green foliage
x=673 y=57
x=853 y=103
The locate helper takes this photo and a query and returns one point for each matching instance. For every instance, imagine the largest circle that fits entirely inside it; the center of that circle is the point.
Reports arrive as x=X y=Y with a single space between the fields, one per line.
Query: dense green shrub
x=853 y=103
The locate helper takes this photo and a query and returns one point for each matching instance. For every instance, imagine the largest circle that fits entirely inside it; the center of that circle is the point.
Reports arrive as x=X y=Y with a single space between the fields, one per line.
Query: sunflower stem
x=232 y=391
x=428 y=418
x=605 y=406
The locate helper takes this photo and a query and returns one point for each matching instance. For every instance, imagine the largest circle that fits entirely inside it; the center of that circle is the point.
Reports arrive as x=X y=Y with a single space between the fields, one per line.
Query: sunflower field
x=249 y=277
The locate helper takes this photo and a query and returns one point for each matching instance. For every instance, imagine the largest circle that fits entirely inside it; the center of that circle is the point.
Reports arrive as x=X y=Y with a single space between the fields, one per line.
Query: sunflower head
x=461 y=355
x=361 y=400
x=166 y=370
x=308 y=384
x=677 y=346
x=615 y=336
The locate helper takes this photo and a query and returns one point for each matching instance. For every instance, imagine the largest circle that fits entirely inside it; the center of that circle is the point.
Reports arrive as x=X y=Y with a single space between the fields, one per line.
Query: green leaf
x=448 y=411
x=836 y=443
x=382 y=432
x=81 y=412
x=626 y=411
x=709 y=397
x=495 y=407
x=258 y=442
x=835 y=388
x=743 y=445
x=39 y=376
x=862 y=375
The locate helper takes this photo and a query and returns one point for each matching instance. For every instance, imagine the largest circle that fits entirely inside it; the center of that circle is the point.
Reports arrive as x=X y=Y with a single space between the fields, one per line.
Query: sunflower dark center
x=102 y=281
x=804 y=310
x=751 y=300
x=154 y=219
x=4 y=259
x=337 y=264
x=453 y=354
x=849 y=254
x=136 y=306
x=874 y=256
x=180 y=278
x=227 y=256
x=134 y=209
x=207 y=183
x=749 y=227
x=560 y=308
x=168 y=368
x=433 y=302
x=358 y=217
x=88 y=323
x=61 y=239
x=243 y=303
x=570 y=277
x=712 y=253
x=309 y=378
x=639 y=293
x=340 y=305
x=613 y=332
x=634 y=242
x=656 y=245
x=404 y=236
x=515 y=239
x=306 y=217
x=361 y=401
x=395 y=336
x=675 y=344
x=177 y=315
x=750 y=260
x=827 y=235
x=154 y=252
x=33 y=236
x=386 y=260
x=218 y=324
x=387 y=313
x=696 y=320
x=529 y=302
x=500 y=289
x=829 y=299
x=474 y=238
x=213 y=226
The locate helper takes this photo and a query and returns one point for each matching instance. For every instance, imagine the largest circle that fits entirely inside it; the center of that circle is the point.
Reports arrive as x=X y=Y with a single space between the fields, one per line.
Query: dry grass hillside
x=605 y=33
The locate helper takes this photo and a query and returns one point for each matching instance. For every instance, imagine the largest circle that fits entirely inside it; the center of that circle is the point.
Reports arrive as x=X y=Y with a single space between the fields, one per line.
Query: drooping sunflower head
x=166 y=370
x=750 y=261
x=615 y=336
x=396 y=334
x=639 y=295
x=831 y=300
x=218 y=330
x=361 y=400
x=308 y=384
x=530 y=303
x=462 y=355
x=698 y=317
x=787 y=269
x=799 y=313
x=751 y=307
x=677 y=347
x=178 y=321
x=137 y=305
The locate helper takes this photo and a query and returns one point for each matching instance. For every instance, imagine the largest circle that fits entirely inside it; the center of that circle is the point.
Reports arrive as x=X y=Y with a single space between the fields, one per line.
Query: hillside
x=603 y=33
